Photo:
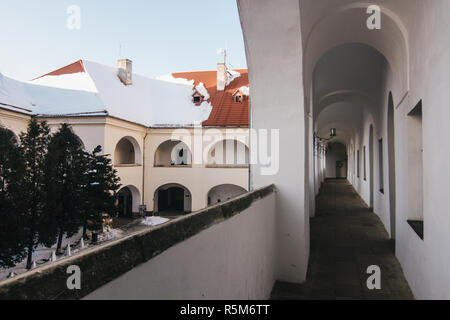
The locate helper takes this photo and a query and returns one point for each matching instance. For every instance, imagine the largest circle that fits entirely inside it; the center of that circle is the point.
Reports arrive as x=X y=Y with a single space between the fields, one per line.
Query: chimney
x=125 y=71
x=222 y=76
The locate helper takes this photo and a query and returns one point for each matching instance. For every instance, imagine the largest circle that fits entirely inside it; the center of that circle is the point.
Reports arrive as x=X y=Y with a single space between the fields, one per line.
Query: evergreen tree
x=12 y=244
x=34 y=143
x=102 y=184
x=65 y=181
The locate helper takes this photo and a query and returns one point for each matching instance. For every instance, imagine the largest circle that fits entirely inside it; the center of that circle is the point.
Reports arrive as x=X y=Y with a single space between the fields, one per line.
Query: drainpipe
x=250 y=118
x=143 y=167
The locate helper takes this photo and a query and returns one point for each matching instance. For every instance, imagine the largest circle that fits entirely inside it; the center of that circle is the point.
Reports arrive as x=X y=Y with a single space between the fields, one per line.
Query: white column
x=274 y=55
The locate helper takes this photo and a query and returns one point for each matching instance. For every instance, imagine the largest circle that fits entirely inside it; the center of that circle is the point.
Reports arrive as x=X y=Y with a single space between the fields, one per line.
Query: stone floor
x=346 y=238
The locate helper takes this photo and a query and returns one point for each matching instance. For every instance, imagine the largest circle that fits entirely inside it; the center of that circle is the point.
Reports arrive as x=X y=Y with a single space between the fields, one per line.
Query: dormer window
x=238 y=98
x=197 y=98
x=240 y=94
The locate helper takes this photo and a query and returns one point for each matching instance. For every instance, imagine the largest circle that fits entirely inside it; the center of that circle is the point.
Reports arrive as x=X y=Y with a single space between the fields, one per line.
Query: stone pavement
x=346 y=238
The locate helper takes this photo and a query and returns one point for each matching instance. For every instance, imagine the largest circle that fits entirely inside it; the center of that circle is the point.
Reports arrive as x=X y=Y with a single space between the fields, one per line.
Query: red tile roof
x=75 y=67
x=225 y=112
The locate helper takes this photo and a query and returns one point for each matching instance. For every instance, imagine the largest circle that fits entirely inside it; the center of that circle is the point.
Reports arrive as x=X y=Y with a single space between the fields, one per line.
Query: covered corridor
x=347 y=238
x=330 y=76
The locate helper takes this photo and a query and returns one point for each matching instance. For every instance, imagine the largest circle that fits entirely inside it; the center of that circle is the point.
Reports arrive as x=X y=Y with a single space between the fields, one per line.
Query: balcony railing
x=192 y=257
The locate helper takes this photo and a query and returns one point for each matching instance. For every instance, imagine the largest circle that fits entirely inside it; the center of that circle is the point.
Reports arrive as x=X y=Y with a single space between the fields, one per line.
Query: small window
x=380 y=163
x=365 y=168
x=238 y=98
x=197 y=99
x=415 y=170
x=357 y=163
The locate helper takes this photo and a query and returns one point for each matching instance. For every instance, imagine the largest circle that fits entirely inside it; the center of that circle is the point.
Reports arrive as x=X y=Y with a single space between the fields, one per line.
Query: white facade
x=151 y=129
x=133 y=150
x=329 y=70
x=196 y=270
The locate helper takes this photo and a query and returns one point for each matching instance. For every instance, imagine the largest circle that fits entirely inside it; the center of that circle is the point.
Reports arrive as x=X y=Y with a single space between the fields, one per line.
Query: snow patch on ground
x=42 y=255
x=110 y=235
x=154 y=221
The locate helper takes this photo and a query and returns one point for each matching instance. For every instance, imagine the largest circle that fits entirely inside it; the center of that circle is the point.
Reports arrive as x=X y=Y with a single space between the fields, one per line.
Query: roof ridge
x=68 y=67
x=198 y=71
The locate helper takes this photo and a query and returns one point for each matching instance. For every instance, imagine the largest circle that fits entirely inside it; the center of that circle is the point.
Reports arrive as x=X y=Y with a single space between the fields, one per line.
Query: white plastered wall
x=197 y=178
x=274 y=58
x=195 y=269
x=425 y=78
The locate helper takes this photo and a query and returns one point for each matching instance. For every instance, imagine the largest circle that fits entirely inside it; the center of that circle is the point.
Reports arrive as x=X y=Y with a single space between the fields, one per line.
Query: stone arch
x=128 y=201
x=78 y=138
x=16 y=138
x=172 y=199
x=173 y=153
x=391 y=163
x=371 y=166
x=336 y=160
x=224 y=192
x=331 y=30
x=127 y=152
x=228 y=152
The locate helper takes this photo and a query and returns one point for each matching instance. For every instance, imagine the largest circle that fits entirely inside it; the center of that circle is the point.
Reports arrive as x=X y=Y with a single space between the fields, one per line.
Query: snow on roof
x=86 y=88
x=13 y=96
x=226 y=112
x=202 y=90
x=50 y=101
x=147 y=101
x=170 y=78
x=79 y=81
x=33 y=99
x=232 y=74
x=244 y=90
x=200 y=87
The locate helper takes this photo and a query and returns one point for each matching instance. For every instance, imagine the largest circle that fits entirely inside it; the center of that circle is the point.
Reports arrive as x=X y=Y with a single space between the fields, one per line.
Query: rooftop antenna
x=224 y=53
x=120 y=51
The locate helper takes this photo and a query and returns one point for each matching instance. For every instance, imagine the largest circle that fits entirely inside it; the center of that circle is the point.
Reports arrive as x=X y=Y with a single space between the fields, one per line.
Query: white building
x=151 y=128
x=377 y=72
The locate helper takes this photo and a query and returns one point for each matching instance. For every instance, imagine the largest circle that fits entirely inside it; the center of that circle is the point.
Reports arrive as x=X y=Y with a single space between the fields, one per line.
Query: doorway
x=125 y=204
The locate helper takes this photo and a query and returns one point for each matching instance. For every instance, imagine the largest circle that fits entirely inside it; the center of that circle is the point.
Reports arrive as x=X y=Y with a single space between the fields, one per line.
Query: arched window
x=9 y=133
x=172 y=200
x=173 y=153
x=79 y=139
x=128 y=201
x=224 y=193
x=127 y=152
x=228 y=153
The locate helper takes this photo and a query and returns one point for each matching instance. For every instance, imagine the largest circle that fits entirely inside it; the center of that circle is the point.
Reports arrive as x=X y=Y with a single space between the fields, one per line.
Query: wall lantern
x=319 y=143
x=333 y=132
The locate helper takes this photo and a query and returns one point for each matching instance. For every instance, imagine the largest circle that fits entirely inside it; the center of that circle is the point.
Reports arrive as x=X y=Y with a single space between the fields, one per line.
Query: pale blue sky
x=160 y=36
